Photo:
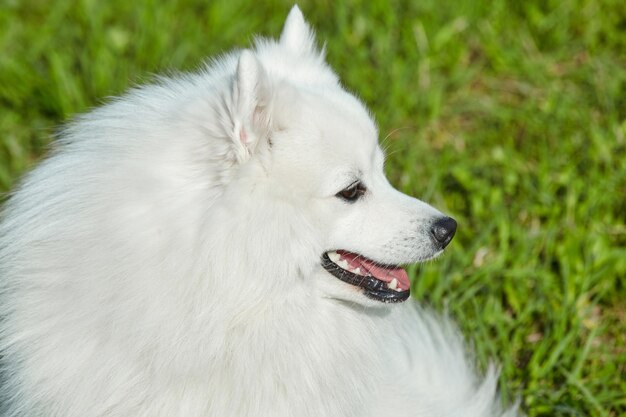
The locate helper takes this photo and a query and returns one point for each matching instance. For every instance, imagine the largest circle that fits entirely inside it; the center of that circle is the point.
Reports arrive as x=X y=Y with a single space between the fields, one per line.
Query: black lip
x=373 y=288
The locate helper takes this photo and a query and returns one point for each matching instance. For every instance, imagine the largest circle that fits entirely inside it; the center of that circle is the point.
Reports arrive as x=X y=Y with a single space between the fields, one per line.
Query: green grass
x=509 y=115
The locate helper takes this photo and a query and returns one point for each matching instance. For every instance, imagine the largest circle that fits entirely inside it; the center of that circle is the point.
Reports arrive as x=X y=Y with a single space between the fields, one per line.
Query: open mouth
x=385 y=283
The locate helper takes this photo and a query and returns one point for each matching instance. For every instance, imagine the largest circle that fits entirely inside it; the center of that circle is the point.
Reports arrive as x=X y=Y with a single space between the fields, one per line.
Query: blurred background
x=508 y=115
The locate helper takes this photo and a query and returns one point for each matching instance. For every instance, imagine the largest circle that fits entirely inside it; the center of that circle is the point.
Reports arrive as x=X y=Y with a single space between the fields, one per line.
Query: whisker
x=394 y=131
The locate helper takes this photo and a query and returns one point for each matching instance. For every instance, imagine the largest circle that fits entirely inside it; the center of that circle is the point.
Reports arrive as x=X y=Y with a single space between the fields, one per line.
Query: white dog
x=226 y=244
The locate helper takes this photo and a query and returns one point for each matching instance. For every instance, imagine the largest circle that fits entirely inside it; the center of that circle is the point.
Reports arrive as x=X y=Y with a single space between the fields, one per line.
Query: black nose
x=443 y=231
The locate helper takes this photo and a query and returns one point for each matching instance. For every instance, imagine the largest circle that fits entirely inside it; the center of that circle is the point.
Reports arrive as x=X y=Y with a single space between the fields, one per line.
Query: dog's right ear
x=297 y=36
x=250 y=110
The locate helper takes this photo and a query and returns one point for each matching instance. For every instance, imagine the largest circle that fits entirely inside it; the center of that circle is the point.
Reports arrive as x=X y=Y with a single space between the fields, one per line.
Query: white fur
x=165 y=259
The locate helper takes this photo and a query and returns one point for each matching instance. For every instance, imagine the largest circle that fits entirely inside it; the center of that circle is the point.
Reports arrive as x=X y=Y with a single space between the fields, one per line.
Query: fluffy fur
x=165 y=259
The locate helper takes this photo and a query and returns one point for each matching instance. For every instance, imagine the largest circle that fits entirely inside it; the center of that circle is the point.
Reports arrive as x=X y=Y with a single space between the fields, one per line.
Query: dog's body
x=165 y=260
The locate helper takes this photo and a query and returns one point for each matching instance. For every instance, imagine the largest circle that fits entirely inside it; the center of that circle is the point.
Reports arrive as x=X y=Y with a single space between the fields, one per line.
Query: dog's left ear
x=297 y=35
x=250 y=115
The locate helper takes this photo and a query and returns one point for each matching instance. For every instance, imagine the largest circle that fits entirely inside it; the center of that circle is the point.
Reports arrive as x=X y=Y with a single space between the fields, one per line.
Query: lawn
x=508 y=115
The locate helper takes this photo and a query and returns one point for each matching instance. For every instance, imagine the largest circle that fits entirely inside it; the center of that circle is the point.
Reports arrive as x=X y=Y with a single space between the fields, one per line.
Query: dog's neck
x=296 y=342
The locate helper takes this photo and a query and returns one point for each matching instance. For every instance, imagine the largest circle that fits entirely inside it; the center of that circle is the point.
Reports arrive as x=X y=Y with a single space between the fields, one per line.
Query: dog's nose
x=443 y=231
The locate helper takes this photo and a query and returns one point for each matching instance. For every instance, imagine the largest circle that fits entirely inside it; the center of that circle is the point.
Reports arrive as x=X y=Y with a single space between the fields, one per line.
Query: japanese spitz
x=226 y=244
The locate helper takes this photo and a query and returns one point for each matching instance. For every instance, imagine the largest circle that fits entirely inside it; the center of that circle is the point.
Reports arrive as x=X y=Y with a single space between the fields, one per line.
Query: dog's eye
x=353 y=192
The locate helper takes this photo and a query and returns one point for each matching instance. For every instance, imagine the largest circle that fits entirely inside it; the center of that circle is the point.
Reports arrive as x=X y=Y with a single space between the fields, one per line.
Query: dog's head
x=315 y=149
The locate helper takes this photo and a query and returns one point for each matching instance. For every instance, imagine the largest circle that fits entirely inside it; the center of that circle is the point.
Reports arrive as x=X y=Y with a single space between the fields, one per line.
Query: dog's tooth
x=334 y=256
x=393 y=284
x=343 y=264
x=357 y=271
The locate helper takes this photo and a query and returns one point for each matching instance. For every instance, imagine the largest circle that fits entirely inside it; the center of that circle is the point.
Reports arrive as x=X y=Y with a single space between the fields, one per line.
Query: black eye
x=353 y=192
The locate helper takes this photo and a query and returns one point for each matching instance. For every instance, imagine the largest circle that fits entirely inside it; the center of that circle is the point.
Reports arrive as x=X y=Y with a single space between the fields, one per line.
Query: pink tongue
x=381 y=273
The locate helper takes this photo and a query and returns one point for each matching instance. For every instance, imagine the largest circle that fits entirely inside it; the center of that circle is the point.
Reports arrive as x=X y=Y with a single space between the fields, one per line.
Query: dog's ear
x=250 y=115
x=297 y=36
